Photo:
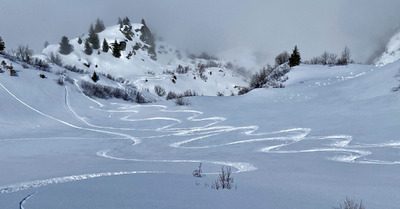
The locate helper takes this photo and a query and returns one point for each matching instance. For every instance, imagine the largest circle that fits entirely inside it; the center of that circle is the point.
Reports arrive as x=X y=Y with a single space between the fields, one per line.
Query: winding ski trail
x=204 y=136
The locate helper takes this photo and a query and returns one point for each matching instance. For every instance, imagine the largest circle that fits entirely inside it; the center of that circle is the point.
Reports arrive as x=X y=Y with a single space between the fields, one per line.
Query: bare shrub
x=55 y=59
x=244 y=90
x=182 y=101
x=189 y=93
x=224 y=180
x=198 y=172
x=60 y=81
x=75 y=69
x=160 y=91
x=282 y=58
x=171 y=95
x=41 y=65
x=182 y=70
x=350 y=204
x=24 y=53
x=107 y=92
x=220 y=94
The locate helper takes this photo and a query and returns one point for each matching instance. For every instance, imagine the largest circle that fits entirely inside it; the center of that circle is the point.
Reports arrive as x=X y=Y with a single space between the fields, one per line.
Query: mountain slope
x=392 y=52
x=331 y=129
x=172 y=70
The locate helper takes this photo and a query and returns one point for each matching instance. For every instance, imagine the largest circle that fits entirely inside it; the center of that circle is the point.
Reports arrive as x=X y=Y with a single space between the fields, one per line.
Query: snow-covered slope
x=332 y=132
x=392 y=52
x=206 y=77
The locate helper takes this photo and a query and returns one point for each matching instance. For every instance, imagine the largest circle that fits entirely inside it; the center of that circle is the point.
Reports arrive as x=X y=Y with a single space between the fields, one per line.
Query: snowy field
x=331 y=133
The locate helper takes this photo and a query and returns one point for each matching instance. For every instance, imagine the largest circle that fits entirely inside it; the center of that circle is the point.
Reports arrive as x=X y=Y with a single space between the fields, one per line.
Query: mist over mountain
x=263 y=28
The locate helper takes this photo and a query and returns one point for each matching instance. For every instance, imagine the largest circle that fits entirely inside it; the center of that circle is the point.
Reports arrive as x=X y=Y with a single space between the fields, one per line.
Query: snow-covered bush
x=75 y=69
x=160 y=91
x=55 y=59
x=277 y=77
x=107 y=92
x=171 y=95
x=181 y=101
x=244 y=90
x=187 y=93
x=270 y=77
x=182 y=70
x=40 y=64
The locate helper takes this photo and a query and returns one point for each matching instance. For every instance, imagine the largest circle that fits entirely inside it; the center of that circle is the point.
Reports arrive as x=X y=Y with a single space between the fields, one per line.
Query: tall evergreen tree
x=88 y=49
x=2 y=44
x=295 y=58
x=148 y=38
x=116 y=51
x=126 y=21
x=106 y=47
x=120 y=22
x=46 y=44
x=99 y=26
x=93 y=38
x=65 y=47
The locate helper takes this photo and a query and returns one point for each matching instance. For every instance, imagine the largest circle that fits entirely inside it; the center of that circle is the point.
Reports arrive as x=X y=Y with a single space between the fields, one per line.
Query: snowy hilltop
x=392 y=52
x=130 y=51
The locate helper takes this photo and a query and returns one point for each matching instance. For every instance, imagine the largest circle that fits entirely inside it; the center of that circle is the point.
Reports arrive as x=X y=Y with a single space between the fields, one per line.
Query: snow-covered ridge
x=392 y=52
x=171 y=69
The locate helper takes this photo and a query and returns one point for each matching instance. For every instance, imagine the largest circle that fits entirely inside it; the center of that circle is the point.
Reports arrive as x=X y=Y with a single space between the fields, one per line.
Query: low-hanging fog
x=248 y=31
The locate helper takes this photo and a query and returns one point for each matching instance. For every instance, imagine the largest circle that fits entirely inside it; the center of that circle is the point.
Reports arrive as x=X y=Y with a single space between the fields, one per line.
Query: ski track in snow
x=65 y=179
x=339 y=144
x=21 y=204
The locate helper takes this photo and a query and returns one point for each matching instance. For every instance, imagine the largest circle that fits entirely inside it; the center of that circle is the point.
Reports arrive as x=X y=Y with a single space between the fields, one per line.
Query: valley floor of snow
x=331 y=133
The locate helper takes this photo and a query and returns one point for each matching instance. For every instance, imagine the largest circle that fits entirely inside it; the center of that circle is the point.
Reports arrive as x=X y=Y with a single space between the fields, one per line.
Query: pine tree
x=65 y=47
x=116 y=51
x=95 y=77
x=106 y=47
x=79 y=40
x=120 y=22
x=99 y=26
x=94 y=38
x=295 y=58
x=88 y=49
x=2 y=45
x=46 y=44
x=126 y=21
x=148 y=38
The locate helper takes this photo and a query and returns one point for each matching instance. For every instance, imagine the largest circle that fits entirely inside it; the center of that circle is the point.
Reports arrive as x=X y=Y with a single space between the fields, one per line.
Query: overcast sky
x=262 y=28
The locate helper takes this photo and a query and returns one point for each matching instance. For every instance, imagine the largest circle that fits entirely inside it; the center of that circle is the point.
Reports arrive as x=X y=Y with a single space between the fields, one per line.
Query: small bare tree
x=350 y=204
x=198 y=172
x=160 y=91
x=224 y=180
x=345 y=58
x=24 y=53
x=282 y=58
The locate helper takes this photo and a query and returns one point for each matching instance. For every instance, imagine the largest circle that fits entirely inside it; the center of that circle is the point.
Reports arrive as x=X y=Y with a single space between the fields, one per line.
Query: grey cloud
x=264 y=27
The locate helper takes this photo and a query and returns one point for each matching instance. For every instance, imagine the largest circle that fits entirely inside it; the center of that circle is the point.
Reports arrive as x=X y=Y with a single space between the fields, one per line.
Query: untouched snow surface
x=331 y=133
